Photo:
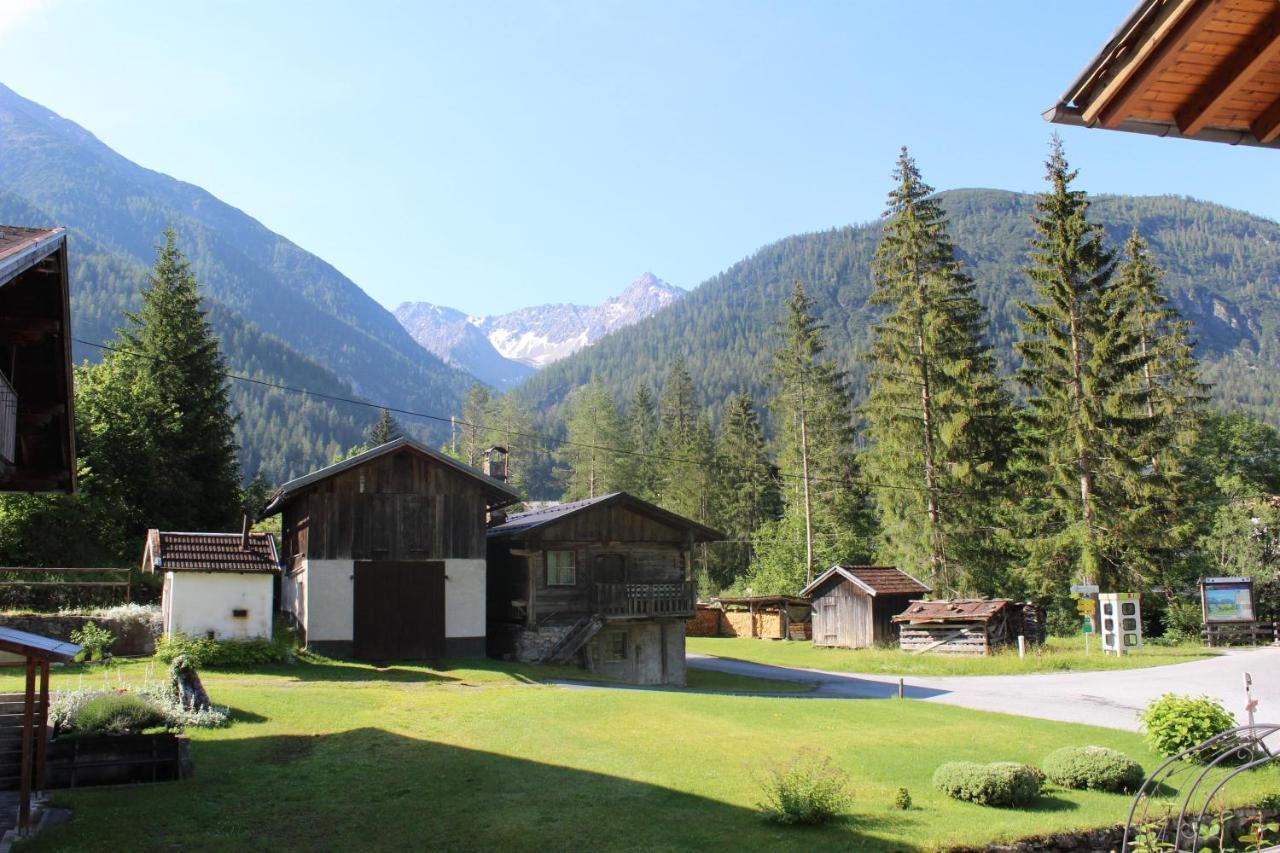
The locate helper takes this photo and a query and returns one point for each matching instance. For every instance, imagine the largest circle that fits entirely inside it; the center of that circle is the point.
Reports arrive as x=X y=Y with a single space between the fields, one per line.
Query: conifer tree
x=1082 y=434
x=936 y=414
x=745 y=487
x=384 y=430
x=587 y=460
x=679 y=444
x=477 y=421
x=638 y=469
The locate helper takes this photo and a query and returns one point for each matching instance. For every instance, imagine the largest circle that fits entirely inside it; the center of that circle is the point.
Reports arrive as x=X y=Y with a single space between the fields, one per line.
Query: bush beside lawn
x=327 y=755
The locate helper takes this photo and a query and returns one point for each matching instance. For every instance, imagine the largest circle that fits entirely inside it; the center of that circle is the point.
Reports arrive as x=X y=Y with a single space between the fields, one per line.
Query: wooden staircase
x=11 y=706
x=581 y=632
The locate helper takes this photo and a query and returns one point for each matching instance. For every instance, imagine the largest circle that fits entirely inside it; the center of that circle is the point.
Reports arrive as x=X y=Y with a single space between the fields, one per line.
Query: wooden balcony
x=676 y=599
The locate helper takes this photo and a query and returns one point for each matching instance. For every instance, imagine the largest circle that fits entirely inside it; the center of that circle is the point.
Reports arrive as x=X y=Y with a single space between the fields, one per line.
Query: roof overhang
x=527 y=524
x=1207 y=70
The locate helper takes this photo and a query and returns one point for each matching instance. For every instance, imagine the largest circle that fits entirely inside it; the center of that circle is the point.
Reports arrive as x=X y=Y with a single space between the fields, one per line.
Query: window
x=561 y=570
x=615 y=647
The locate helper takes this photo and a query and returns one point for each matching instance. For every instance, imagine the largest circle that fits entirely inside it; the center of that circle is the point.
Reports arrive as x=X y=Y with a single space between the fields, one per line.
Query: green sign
x=1086 y=625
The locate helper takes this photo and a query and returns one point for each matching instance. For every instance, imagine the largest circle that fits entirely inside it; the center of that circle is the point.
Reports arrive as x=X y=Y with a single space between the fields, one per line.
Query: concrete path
x=1110 y=699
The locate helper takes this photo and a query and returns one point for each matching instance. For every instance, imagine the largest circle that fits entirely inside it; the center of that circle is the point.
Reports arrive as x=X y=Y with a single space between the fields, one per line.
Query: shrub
x=127 y=616
x=1182 y=621
x=1003 y=783
x=116 y=713
x=94 y=641
x=1093 y=768
x=203 y=652
x=902 y=800
x=810 y=789
x=1175 y=723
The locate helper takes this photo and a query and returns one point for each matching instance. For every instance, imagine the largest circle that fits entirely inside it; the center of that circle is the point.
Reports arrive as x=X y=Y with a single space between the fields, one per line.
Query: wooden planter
x=75 y=762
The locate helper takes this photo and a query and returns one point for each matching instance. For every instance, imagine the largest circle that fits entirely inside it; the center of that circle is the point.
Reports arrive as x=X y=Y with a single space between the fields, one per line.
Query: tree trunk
x=937 y=558
x=808 y=509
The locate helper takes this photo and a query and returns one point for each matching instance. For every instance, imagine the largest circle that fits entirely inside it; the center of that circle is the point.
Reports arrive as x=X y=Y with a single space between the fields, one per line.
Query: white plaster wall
x=329 y=592
x=464 y=602
x=200 y=602
x=293 y=596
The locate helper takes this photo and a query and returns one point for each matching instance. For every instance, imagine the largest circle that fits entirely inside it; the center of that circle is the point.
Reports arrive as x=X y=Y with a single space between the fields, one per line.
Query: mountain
x=1223 y=273
x=506 y=349
x=284 y=315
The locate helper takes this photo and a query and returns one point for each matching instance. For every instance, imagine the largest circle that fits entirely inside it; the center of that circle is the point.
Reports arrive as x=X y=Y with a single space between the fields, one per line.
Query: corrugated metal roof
x=402 y=443
x=955 y=610
x=22 y=248
x=874 y=580
x=209 y=552
x=34 y=645
x=523 y=522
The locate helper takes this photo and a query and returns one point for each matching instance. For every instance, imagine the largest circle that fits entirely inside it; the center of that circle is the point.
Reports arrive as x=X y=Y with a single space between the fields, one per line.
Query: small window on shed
x=615 y=647
x=561 y=568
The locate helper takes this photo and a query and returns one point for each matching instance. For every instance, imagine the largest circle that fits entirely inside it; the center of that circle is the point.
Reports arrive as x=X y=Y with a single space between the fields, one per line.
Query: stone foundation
x=133 y=638
x=533 y=645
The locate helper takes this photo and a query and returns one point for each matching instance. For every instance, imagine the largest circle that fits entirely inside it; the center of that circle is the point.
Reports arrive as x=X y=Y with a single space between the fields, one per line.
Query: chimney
x=495 y=463
x=244 y=533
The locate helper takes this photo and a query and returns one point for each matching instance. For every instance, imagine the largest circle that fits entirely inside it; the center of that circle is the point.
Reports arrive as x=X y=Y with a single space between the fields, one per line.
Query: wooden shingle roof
x=873 y=580
x=209 y=552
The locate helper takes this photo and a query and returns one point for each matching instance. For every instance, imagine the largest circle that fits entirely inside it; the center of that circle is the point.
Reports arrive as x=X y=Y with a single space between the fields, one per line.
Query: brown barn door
x=398 y=610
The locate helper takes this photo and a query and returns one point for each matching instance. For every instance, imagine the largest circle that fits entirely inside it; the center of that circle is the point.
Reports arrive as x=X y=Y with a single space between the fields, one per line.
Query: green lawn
x=1057 y=655
x=481 y=756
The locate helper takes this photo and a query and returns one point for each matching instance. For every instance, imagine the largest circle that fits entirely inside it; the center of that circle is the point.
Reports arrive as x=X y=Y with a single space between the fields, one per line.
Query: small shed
x=766 y=617
x=216 y=585
x=853 y=605
x=970 y=626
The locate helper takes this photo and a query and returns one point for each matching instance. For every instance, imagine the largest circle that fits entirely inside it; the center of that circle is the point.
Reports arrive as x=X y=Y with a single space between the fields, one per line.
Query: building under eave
x=1191 y=69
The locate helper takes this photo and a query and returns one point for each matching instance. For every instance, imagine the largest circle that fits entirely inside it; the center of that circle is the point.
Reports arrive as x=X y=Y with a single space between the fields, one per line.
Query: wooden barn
x=973 y=626
x=765 y=617
x=605 y=581
x=384 y=553
x=853 y=606
x=37 y=446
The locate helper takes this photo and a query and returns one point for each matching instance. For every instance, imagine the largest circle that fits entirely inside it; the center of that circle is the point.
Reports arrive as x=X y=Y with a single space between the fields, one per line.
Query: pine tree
x=745 y=486
x=384 y=430
x=1082 y=435
x=936 y=414
x=638 y=469
x=825 y=518
x=681 y=444
x=587 y=461
x=477 y=421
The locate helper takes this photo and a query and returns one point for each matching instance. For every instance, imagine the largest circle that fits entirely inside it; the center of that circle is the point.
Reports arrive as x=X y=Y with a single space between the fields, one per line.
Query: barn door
x=398 y=610
x=830 y=635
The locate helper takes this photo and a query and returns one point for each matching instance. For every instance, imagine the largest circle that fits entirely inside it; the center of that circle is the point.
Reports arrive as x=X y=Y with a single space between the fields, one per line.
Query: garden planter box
x=74 y=762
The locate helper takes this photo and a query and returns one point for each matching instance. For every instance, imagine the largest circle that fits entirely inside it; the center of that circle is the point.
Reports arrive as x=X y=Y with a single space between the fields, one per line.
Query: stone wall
x=532 y=646
x=133 y=637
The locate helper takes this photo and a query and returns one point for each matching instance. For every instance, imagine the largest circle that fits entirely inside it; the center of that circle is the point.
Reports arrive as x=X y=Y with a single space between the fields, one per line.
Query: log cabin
x=383 y=554
x=605 y=581
x=854 y=606
x=37 y=444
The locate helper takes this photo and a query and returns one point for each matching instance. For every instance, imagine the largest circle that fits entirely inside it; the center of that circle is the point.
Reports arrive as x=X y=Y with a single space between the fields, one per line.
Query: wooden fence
x=1240 y=634
x=54 y=579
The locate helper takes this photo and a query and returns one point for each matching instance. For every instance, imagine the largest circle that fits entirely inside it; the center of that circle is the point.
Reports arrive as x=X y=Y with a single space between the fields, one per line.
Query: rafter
x=1254 y=53
x=1266 y=127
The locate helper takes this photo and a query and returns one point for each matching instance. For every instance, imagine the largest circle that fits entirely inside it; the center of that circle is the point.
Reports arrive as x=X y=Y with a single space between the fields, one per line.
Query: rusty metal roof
x=209 y=552
x=873 y=580
x=953 y=610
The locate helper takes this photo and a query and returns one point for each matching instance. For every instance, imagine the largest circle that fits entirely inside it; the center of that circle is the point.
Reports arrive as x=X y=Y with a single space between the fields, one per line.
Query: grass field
x=1057 y=655
x=337 y=756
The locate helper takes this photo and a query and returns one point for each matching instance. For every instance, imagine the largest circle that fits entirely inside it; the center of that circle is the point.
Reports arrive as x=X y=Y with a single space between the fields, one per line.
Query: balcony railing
x=622 y=600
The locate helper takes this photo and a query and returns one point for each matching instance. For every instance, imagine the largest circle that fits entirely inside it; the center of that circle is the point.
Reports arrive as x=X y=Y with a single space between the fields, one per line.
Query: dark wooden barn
x=383 y=554
x=37 y=449
x=853 y=606
x=976 y=626
x=605 y=581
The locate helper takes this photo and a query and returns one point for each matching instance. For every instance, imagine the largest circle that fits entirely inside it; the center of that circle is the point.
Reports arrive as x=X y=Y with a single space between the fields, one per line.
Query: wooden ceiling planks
x=1253 y=54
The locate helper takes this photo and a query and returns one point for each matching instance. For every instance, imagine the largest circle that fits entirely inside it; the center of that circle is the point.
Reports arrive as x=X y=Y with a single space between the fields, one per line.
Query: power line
x=503 y=430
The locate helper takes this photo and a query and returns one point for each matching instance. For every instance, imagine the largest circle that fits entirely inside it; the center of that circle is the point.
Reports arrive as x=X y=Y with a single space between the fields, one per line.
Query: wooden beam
x=28 y=737
x=25 y=331
x=1115 y=102
x=1266 y=127
x=1253 y=54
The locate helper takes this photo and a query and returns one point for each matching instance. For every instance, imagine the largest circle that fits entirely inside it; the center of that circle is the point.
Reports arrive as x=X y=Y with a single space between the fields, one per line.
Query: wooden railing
x=676 y=598
x=1240 y=633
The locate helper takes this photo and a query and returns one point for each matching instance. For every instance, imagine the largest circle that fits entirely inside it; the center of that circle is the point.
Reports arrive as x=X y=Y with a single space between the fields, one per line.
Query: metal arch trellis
x=1175 y=805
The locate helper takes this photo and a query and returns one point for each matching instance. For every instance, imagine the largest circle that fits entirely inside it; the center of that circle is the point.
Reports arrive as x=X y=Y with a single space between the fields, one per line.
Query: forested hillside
x=1223 y=274
x=282 y=313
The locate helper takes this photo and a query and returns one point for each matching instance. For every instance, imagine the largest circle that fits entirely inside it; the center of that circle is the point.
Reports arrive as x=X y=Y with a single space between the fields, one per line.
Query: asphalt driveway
x=1110 y=699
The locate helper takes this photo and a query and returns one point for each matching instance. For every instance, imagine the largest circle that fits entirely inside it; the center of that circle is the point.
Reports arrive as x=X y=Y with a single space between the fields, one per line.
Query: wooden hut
x=853 y=605
x=766 y=617
x=972 y=626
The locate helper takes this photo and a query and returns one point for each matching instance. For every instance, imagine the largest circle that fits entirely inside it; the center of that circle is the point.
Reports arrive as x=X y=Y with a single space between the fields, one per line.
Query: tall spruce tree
x=685 y=449
x=156 y=424
x=936 y=414
x=587 y=459
x=746 y=488
x=638 y=468
x=826 y=517
x=384 y=430
x=1082 y=432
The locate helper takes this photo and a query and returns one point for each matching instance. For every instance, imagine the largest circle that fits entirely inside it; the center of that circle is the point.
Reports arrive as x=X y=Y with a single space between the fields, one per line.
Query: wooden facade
x=37 y=445
x=959 y=626
x=354 y=535
x=584 y=580
x=854 y=606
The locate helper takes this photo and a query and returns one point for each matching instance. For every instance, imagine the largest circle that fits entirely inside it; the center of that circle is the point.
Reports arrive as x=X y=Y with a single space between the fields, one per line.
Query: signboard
x=1085 y=589
x=1086 y=625
x=1227 y=599
x=1086 y=607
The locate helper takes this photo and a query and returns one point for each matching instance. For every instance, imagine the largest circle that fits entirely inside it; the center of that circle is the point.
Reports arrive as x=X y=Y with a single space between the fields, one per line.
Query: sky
x=489 y=156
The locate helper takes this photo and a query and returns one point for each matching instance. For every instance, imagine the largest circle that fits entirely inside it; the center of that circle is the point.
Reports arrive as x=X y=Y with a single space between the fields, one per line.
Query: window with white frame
x=561 y=569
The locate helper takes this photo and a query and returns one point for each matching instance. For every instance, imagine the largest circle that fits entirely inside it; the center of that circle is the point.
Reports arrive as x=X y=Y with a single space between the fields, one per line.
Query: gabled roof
x=873 y=580
x=955 y=610
x=168 y=551
x=522 y=523
x=23 y=248
x=499 y=489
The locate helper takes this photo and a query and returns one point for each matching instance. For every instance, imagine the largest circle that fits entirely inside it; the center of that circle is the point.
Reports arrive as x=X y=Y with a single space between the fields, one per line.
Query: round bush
x=1093 y=768
x=1175 y=723
x=810 y=789
x=1003 y=783
x=116 y=713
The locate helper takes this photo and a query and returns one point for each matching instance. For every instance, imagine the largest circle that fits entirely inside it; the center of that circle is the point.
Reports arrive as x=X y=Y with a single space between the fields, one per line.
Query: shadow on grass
x=372 y=789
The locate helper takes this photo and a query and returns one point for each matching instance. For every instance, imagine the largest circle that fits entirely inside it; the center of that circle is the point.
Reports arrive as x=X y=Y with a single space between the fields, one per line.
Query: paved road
x=1109 y=699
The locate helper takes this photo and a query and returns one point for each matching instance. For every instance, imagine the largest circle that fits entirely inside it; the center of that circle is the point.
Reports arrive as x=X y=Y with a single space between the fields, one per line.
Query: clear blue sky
x=493 y=155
